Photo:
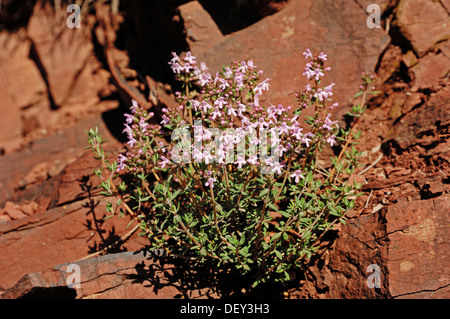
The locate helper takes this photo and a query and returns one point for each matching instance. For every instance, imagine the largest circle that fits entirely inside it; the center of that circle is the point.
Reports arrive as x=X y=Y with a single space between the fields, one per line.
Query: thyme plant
x=200 y=182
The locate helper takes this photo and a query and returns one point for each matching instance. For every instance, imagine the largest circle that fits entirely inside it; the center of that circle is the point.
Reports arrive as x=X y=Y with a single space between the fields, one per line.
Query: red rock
x=13 y=211
x=412 y=100
x=430 y=71
x=423 y=22
x=29 y=208
x=409 y=58
x=436 y=187
x=22 y=89
x=389 y=63
x=4 y=218
x=446 y=4
x=276 y=43
x=202 y=32
x=419 y=248
x=60 y=235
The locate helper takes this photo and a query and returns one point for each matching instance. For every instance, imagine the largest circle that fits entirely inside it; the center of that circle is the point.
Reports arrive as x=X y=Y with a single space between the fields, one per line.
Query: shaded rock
x=113 y=276
x=390 y=63
x=423 y=121
x=21 y=87
x=342 y=271
x=409 y=58
x=56 y=151
x=424 y=23
x=412 y=100
x=62 y=52
x=419 y=250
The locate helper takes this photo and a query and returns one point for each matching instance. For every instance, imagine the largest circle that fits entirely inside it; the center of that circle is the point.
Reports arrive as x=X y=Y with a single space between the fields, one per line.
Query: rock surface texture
x=56 y=83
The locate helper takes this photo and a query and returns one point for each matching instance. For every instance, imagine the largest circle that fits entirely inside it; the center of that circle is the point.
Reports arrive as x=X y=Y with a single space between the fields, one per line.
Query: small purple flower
x=297 y=175
x=134 y=106
x=143 y=125
x=131 y=141
x=318 y=73
x=327 y=124
x=307 y=54
x=331 y=140
x=210 y=182
x=276 y=168
x=220 y=102
x=262 y=86
x=240 y=161
x=121 y=162
x=164 y=161
x=189 y=58
x=322 y=56
x=129 y=118
x=166 y=120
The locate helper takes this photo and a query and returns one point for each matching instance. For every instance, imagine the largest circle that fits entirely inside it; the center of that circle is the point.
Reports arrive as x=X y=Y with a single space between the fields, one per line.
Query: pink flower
x=327 y=124
x=215 y=114
x=205 y=106
x=297 y=174
x=239 y=161
x=322 y=56
x=276 y=168
x=210 y=182
x=243 y=67
x=307 y=54
x=166 y=120
x=262 y=86
x=318 y=73
x=129 y=118
x=331 y=140
x=253 y=160
x=143 y=125
x=134 y=106
x=306 y=139
x=121 y=162
x=228 y=73
x=220 y=102
x=189 y=58
x=164 y=162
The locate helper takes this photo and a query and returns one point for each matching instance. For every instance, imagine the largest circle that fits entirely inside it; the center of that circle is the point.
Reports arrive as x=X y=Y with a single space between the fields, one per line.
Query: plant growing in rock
x=200 y=181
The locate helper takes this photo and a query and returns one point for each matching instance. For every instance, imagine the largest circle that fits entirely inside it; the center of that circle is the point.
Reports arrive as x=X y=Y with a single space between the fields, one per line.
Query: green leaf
x=278 y=254
x=176 y=219
x=263 y=192
x=358 y=94
x=285 y=214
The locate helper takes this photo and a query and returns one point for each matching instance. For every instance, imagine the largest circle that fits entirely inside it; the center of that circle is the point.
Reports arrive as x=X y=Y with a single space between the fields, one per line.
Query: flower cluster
x=231 y=114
